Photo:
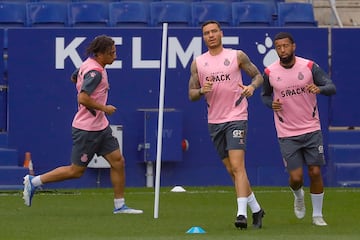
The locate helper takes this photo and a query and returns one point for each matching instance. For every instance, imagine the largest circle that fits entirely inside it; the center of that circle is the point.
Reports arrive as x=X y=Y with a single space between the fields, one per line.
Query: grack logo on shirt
x=227 y=62
x=294 y=91
x=219 y=78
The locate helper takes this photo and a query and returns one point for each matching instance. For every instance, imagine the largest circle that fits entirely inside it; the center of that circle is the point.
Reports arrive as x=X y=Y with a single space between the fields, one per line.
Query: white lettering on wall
x=193 y=50
x=137 y=62
x=176 y=50
x=63 y=52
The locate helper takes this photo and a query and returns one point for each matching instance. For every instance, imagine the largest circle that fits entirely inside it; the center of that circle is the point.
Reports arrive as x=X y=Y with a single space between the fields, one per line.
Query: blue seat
x=92 y=0
x=46 y=1
x=292 y=14
x=175 y=13
x=49 y=14
x=211 y=10
x=88 y=14
x=12 y=14
x=129 y=13
x=259 y=14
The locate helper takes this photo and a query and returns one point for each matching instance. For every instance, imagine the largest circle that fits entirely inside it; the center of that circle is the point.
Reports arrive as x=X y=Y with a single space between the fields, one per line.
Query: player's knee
x=77 y=172
x=118 y=163
x=297 y=180
x=314 y=172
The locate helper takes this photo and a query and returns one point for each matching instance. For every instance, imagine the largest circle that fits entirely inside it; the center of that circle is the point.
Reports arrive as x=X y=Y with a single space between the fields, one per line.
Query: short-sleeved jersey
x=223 y=70
x=88 y=77
x=299 y=113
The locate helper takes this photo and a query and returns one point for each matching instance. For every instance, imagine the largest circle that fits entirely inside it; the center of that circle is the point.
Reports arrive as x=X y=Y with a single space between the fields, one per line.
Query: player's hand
x=248 y=91
x=312 y=88
x=277 y=105
x=109 y=109
x=207 y=87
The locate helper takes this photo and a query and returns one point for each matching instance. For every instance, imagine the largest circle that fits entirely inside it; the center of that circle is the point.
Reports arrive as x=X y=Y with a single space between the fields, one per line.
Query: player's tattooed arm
x=250 y=69
x=195 y=90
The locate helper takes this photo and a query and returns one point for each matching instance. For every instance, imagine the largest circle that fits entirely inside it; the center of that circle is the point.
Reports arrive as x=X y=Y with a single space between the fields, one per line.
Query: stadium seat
x=94 y=0
x=63 y=1
x=189 y=1
x=49 y=14
x=12 y=14
x=88 y=14
x=259 y=14
x=295 y=14
x=129 y=13
x=175 y=13
x=211 y=10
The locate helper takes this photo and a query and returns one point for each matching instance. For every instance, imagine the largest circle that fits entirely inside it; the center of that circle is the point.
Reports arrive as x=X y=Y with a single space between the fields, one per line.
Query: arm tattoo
x=194 y=90
x=250 y=69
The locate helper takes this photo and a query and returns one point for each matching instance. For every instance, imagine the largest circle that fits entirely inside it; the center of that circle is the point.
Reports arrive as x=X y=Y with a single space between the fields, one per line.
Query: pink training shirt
x=223 y=70
x=299 y=110
x=83 y=119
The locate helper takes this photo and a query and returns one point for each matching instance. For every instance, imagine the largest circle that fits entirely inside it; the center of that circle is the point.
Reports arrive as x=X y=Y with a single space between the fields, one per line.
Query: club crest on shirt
x=226 y=62
x=300 y=76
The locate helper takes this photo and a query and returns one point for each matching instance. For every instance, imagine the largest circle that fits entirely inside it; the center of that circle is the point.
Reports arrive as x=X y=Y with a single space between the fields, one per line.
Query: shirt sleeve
x=74 y=75
x=323 y=81
x=91 y=81
x=267 y=91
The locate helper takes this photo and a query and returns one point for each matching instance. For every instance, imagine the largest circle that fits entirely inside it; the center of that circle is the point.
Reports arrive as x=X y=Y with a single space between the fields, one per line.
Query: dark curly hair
x=100 y=44
x=282 y=35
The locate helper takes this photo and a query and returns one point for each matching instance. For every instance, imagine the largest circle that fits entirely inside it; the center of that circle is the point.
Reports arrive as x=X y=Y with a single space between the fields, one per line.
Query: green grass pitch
x=86 y=214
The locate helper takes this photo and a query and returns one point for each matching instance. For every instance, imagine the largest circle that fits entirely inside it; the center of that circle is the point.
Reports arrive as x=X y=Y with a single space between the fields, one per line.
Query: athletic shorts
x=304 y=149
x=87 y=143
x=228 y=136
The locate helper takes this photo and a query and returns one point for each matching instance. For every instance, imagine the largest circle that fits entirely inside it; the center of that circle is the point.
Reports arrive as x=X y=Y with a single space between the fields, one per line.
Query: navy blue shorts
x=304 y=149
x=87 y=143
x=228 y=136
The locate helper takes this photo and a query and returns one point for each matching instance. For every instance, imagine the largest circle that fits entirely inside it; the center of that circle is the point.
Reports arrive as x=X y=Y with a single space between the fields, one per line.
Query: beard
x=287 y=60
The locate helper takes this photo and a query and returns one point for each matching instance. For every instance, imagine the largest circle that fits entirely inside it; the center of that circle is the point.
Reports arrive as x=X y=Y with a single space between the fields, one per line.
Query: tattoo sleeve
x=194 y=84
x=250 y=69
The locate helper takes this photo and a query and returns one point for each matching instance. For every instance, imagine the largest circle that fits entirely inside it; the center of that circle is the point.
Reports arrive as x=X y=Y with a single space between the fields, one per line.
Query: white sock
x=36 y=181
x=242 y=204
x=253 y=203
x=298 y=193
x=119 y=202
x=317 y=204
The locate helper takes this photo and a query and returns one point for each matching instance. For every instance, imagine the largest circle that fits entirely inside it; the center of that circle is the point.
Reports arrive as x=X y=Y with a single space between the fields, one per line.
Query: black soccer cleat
x=257 y=218
x=241 y=222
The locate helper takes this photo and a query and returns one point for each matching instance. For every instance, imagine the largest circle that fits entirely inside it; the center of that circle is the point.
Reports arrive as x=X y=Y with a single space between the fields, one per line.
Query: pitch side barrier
x=42 y=100
x=3 y=86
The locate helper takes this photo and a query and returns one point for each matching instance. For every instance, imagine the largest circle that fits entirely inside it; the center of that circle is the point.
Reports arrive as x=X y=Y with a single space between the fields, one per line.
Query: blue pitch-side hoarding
x=42 y=99
x=344 y=72
x=3 y=94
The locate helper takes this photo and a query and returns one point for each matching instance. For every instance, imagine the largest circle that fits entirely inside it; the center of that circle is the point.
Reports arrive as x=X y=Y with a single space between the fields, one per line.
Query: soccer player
x=216 y=76
x=290 y=88
x=91 y=132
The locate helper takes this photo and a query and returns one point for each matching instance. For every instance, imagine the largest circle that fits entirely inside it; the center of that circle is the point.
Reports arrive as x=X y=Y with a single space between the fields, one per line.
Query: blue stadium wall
x=41 y=101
